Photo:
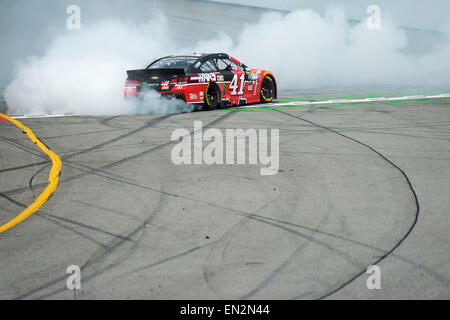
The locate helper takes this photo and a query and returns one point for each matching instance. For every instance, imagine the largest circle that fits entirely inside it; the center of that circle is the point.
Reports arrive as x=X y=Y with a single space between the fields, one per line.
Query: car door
x=235 y=80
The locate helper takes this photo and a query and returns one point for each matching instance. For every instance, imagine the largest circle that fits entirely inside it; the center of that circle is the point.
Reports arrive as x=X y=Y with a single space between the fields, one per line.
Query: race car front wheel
x=212 y=97
x=267 y=89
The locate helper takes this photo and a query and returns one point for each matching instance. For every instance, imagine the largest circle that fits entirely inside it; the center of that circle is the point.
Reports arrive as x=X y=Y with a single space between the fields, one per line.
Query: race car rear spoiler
x=154 y=74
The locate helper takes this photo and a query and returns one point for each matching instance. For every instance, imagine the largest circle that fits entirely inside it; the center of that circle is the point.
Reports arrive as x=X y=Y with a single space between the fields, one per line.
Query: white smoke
x=307 y=50
x=152 y=103
x=83 y=72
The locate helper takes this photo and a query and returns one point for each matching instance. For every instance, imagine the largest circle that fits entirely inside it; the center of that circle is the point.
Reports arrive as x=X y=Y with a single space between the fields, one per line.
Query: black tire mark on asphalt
x=78 y=134
x=118 y=162
x=148 y=124
x=98 y=172
x=83 y=225
x=75 y=231
x=283 y=265
x=24 y=166
x=53 y=217
x=392 y=134
x=122 y=147
x=61 y=279
x=25 y=148
x=30 y=183
x=101 y=254
x=440 y=277
x=235 y=211
x=226 y=236
x=238 y=212
x=257 y=218
x=295 y=132
x=107 y=248
x=105 y=174
x=11 y=199
x=46 y=285
x=179 y=255
x=107 y=210
x=126 y=159
x=340 y=287
x=65 y=158
x=260 y=218
x=105 y=122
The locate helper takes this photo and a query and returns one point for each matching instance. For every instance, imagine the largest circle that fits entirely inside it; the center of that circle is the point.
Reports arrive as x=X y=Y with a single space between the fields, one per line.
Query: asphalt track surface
x=357 y=185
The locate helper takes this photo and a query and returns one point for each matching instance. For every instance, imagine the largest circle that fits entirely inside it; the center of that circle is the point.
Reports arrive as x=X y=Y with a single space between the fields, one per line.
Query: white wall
x=427 y=15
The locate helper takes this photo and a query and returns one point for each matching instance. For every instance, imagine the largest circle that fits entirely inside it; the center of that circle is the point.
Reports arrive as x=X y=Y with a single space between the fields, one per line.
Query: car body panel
x=238 y=84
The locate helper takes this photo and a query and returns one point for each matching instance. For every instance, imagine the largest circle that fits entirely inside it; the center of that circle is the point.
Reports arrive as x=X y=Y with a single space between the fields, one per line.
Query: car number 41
x=234 y=85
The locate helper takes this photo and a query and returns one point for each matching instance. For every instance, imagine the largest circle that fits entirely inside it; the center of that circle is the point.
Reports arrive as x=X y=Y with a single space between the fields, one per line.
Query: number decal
x=234 y=85
x=241 y=89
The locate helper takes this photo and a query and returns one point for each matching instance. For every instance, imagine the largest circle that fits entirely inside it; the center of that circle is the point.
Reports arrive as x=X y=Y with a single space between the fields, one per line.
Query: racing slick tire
x=213 y=97
x=268 y=90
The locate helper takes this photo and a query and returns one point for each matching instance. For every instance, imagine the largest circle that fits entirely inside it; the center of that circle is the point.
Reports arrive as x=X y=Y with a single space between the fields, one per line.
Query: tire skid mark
x=20 y=146
x=107 y=210
x=285 y=263
x=30 y=183
x=171 y=258
x=24 y=166
x=148 y=124
x=53 y=178
x=252 y=216
x=101 y=254
x=77 y=134
x=105 y=122
x=440 y=277
x=85 y=168
x=83 y=151
x=416 y=217
x=119 y=162
x=224 y=241
x=70 y=221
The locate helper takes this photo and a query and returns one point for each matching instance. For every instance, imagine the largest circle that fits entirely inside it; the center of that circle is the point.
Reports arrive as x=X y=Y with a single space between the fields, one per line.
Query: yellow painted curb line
x=53 y=177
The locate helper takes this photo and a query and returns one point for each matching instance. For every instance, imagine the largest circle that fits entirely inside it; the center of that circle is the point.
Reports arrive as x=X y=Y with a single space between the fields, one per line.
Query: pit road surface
x=358 y=185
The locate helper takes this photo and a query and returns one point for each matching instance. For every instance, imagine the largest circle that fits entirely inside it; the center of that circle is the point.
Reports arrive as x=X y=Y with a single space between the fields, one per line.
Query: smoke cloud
x=83 y=72
x=308 y=50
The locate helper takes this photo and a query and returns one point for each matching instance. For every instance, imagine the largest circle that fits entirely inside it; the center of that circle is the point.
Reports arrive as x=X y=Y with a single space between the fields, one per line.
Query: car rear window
x=181 y=62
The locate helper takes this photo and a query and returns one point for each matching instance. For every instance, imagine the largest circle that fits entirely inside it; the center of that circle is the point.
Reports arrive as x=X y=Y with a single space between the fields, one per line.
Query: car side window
x=234 y=65
x=208 y=66
x=221 y=64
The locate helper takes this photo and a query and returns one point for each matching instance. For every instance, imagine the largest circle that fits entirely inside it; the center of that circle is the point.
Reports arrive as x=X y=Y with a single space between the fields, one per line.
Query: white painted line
x=43 y=116
x=290 y=103
x=377 y=99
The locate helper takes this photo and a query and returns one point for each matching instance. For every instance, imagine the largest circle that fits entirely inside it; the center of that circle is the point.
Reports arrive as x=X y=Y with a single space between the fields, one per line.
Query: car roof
x=200 y=56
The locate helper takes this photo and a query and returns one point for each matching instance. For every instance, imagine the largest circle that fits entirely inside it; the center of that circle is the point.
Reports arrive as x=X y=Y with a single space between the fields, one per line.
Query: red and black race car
x=209 y=80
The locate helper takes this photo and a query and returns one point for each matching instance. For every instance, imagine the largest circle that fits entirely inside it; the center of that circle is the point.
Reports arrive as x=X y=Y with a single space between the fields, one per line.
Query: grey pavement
x=141 y=227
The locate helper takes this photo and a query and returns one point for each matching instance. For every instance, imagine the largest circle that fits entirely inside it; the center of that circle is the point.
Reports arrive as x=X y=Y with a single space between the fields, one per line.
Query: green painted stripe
x=328 y=98
x=354 y=97
x=329 y=105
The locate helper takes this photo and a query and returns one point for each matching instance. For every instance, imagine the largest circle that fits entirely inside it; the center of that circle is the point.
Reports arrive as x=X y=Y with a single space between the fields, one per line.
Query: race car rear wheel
x=267 y=89
x=212 y=97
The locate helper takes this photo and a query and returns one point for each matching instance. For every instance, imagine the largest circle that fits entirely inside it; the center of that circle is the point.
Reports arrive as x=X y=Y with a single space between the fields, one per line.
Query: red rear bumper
x=188 y=92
